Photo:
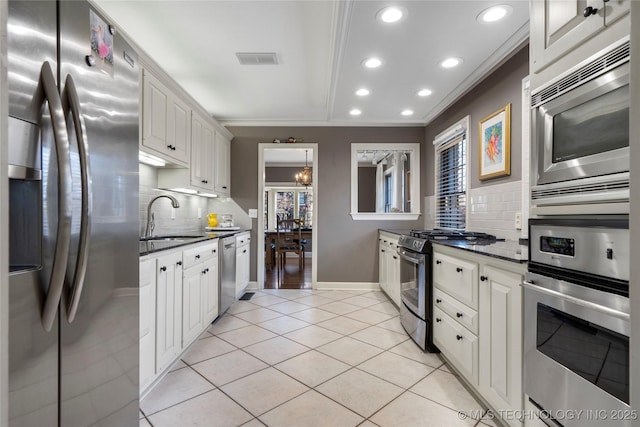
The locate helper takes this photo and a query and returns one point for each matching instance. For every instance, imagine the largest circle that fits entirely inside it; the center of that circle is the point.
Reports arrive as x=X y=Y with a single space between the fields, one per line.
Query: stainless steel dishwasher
x=227 y=273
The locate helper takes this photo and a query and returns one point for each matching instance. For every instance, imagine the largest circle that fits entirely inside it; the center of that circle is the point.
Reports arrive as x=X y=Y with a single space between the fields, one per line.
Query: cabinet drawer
x=458 y=344
x=458 y=311
x=457 y=277
x=243 y=240
x=199 y=254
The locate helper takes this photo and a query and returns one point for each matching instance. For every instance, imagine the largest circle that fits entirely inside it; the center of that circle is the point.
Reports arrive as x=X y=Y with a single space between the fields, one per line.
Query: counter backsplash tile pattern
x=492 y=209
x=186 y=221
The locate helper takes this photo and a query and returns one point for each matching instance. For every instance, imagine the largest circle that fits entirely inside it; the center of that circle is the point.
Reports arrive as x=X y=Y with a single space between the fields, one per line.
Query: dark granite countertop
x=398 y=232
x=510 y=250
x=148 y=247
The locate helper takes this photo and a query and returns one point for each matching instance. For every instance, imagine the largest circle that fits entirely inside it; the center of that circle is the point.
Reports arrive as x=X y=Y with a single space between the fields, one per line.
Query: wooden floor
x=293 y=278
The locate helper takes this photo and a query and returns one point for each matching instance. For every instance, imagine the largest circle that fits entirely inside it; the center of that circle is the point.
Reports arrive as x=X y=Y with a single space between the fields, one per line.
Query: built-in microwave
x=580 y=137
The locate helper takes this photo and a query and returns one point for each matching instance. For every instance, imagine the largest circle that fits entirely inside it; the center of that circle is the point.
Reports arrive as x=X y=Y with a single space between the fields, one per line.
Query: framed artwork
x=494 y=151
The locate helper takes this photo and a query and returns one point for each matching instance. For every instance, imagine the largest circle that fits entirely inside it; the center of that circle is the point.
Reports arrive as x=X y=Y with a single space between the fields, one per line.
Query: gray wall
x=502 y=87
x=347 y=249
x=281 y=174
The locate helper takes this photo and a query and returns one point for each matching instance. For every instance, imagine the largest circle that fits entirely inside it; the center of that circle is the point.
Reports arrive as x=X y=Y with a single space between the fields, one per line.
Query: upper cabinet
x=566 y=32
x=222 y=158
x=202 y=147
x=166 y=122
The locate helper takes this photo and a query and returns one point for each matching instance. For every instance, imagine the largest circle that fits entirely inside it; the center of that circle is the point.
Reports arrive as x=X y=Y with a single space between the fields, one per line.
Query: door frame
x=261 y=186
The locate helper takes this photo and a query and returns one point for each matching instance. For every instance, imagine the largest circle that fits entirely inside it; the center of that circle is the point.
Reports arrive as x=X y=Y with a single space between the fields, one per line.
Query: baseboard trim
x=252 y=286
x=347 y=286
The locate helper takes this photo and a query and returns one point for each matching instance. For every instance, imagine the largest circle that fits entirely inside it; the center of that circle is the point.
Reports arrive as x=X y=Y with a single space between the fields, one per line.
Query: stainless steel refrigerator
x=73 y=212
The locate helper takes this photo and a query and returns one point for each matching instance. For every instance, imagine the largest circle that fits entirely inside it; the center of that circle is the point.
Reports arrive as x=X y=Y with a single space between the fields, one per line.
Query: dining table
x=270 y=242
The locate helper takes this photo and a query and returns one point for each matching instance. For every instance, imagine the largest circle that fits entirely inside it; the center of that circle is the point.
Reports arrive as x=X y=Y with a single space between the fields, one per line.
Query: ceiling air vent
x=261 y=58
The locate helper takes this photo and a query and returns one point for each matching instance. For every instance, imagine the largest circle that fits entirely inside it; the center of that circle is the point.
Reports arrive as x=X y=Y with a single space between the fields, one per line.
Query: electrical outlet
x=518 y=220
x=253 y=213
x=199 y=212
x=173 y=213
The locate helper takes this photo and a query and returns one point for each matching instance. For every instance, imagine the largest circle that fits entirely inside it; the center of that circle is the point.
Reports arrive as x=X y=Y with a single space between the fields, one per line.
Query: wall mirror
x=385 y=181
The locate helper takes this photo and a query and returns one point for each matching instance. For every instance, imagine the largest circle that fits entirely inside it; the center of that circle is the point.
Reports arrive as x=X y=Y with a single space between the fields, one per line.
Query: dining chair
x=288 y=240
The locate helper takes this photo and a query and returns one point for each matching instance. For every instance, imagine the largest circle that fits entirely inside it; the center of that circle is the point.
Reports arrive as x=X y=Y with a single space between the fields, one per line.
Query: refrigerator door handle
x=50 y=93
x=71 y=102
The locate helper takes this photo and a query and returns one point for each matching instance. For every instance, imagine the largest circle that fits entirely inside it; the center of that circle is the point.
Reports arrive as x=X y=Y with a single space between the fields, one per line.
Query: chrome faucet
x=150 y=219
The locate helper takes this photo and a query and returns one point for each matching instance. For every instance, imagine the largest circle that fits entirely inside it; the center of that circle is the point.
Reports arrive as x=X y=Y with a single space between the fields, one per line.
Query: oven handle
x=587 y=304
x=414 y=260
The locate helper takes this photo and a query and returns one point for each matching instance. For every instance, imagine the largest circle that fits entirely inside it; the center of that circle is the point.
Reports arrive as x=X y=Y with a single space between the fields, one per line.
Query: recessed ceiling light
x=391 y=14
x=355 y=112
x=451 y=62
x=494 y=13
x=407 y=113
x=372 y=63
x=424 y=92
x=362 y=92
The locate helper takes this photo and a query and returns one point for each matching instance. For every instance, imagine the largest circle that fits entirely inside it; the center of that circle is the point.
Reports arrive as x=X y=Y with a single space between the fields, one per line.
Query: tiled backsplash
x=186 y=216
x=492 y=209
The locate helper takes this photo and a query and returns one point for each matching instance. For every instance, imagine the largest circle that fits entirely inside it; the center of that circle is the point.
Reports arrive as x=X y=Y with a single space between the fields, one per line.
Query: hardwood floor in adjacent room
x=293 y=278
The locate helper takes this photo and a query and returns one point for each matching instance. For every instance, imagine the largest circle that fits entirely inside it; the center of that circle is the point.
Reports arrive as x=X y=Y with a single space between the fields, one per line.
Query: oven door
x=584 y=132
x=412 y=281
x=576 y=346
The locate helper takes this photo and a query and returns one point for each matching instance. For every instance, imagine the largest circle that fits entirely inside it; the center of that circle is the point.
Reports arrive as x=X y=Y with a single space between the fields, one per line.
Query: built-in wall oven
x=576 y=317
x=580 y=134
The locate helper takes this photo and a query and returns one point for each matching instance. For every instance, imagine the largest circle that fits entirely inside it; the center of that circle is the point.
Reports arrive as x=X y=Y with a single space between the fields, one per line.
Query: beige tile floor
x=299 y=358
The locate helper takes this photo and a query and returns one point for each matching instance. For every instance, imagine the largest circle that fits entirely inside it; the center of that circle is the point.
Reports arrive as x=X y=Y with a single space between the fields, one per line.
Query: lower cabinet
x=389 y=266
x=147 y=322
x=243 y=262
x=477 y=311
x=179 y=294
x=168 y=309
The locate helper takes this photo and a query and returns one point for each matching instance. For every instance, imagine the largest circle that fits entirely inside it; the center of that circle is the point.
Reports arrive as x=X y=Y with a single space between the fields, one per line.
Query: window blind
x=451 y=184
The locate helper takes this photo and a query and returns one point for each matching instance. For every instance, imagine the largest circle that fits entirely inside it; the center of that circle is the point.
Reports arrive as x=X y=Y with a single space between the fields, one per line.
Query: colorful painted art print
x=101 y=43
x=495 y=144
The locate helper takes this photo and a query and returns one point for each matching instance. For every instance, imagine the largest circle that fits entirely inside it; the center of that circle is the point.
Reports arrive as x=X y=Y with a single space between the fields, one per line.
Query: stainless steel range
x=576 y=317
x=416 y=253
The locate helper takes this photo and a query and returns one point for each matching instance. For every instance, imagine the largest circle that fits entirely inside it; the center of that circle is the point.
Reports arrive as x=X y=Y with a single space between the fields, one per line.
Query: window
x=451 y=183
x=288 y=203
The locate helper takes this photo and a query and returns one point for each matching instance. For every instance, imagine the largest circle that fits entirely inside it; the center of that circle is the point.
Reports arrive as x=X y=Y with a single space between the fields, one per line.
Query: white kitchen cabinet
x=389 y=266
x=243 y=262
x=200 y=290
x=147 y=323
x=477 y=323
x=168 y=309
x=458 y=344
x=501 y=337
x=560 y=33
x=202 y=159
x=166 y=122
x=222 y=162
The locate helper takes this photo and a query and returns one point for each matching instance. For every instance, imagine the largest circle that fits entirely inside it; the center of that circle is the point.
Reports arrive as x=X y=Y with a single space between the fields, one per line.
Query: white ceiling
x=320 y=45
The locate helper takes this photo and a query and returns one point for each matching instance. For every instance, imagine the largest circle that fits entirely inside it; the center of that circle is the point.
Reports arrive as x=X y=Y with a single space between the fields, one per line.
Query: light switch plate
x=253 y=213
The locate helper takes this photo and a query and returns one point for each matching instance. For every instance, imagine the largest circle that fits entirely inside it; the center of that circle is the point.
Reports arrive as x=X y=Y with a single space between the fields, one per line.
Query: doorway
x=279 y=196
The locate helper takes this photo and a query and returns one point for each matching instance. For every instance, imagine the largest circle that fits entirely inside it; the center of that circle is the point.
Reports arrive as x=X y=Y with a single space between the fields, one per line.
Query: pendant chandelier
x=304 y=176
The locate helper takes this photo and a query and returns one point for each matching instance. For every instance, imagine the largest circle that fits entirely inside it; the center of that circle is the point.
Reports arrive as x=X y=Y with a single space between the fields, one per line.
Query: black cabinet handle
x=459 y=270
x=458 y=315
x=483 y=278
x=224 y=187
x=395 y=257
x=213 y=250
x=438 y=301
x=163 y=268
x=438 y=262
x=381 y=250
x=179 y=263
x=438 y=320
x=459 y=337
x=197 y=256
x=244 y=252
x=588 y=11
